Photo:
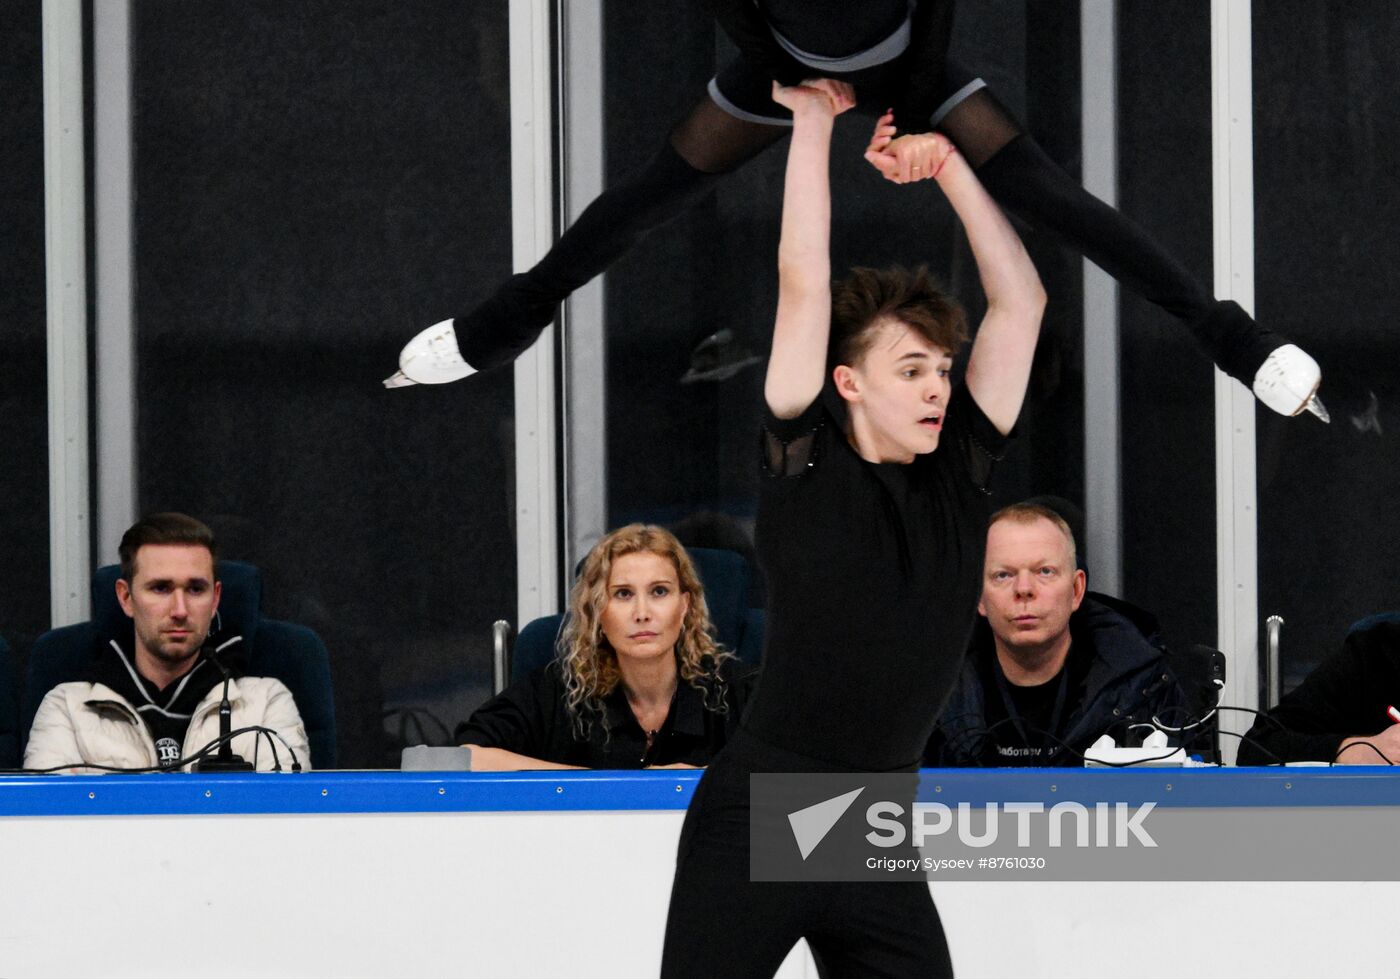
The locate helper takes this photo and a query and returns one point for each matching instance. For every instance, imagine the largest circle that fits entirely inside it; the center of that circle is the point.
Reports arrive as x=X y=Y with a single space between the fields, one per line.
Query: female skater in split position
x=871 y=526
x=893 y=53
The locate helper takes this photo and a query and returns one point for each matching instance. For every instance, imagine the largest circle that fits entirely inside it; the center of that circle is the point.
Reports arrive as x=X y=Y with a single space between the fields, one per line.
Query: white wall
x=569 y=894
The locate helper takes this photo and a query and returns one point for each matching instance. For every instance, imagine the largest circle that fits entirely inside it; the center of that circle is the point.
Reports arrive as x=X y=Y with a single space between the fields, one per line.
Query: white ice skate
x=1287 y=382
x=431 y=357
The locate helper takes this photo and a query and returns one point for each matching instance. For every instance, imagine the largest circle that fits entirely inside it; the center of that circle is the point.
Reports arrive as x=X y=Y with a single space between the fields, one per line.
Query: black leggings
x=710 y=142
x=722 y=924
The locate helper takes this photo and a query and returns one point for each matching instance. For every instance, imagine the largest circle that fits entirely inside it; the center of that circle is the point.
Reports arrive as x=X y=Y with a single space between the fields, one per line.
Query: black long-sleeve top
x=530 y=718
x=1345 y=697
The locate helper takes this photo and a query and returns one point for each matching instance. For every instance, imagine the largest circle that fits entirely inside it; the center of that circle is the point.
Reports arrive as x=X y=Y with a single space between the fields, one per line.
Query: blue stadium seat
x=292 y=653
x=725 y=576
x=1371 y=621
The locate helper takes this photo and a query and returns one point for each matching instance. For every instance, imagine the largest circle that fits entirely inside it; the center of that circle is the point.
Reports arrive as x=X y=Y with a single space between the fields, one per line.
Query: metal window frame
x=1236 y=488
x=532 y=233
x=65 y=261
x=115 y=346
x=584 y=169
x=1103 y=507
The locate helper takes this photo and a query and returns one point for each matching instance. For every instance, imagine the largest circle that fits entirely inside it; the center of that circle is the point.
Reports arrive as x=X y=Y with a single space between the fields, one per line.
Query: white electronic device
x=1154 y=753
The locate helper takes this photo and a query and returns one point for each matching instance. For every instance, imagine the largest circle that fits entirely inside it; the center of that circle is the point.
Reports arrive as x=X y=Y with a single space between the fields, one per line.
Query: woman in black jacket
x=639 y=681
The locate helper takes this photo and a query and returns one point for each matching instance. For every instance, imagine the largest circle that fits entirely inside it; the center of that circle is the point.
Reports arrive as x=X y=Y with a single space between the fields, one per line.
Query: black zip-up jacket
x=1124 y=681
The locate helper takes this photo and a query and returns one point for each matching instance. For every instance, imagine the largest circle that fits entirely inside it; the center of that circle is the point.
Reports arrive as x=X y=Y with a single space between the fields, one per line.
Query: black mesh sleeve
x=980 y=446
x=791 y=446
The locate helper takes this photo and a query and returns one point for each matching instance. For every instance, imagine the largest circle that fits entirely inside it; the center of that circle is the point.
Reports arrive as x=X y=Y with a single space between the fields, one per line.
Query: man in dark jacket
x=1050 y=669
x=1341 y=709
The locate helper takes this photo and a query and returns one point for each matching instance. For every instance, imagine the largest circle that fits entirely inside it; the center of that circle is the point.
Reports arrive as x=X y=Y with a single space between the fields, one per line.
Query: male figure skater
x=871 y=526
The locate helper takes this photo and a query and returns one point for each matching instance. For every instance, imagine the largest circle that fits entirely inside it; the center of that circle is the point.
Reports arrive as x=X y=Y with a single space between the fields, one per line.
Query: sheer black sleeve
x=790 y=447
x=976 y=441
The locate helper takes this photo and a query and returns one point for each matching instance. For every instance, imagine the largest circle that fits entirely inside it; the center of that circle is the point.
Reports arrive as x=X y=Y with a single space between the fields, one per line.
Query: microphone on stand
x=225 y=760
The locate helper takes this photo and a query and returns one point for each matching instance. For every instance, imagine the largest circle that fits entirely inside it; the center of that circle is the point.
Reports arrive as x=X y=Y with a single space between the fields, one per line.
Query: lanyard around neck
x=1046 y=740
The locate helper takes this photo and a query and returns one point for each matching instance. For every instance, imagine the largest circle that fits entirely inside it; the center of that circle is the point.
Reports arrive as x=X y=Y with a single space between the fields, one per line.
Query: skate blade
x=398 y=380
x=1314 y=404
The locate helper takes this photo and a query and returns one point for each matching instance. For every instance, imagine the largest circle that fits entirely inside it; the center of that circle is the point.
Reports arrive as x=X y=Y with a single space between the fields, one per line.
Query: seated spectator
x=1049 y=669
x=638 y=682
x=1339 y=711
x=149 y=701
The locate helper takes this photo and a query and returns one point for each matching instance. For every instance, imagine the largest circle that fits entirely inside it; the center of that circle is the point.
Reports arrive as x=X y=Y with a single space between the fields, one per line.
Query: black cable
x=257 y=745
x=203 y=752
x=984 y=733
x=1192 y=728
x=1257 y=713
x=178 y=763
x=1366 y=744
x=1284 y=730
x=296 y=765
x=265 y=732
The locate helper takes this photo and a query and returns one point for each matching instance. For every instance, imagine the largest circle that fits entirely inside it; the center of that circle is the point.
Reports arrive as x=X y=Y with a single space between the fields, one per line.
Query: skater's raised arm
x=1000 y=366
x=797 y=365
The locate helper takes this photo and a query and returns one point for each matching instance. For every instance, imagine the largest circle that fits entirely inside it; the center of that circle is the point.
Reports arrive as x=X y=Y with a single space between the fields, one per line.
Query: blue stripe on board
x=462 y=792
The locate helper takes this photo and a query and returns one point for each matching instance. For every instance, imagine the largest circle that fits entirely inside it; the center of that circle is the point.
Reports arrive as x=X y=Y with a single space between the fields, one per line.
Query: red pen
x=1394 y=714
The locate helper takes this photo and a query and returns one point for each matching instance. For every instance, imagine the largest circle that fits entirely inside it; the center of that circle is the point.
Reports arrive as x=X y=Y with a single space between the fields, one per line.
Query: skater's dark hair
x=163 y=528
x=866 y=298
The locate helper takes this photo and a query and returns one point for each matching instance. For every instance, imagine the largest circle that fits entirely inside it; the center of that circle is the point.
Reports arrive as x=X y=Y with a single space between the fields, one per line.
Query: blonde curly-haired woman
x=638 y=681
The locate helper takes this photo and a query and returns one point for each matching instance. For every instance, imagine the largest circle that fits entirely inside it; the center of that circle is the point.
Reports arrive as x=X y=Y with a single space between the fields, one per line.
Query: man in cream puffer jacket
x=88 y=723
x=157 y=702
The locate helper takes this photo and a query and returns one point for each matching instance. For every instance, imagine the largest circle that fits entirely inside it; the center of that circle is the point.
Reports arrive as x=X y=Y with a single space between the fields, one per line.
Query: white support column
x=1098 y=40
x=532 y=225
x=65 y=249
x=585 y=415
x=1237 y=575
x=116 y=338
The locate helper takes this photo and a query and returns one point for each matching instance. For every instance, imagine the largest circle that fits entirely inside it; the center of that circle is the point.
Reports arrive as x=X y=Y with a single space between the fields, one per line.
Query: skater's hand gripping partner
x=909 y=158
x=1000 y=365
